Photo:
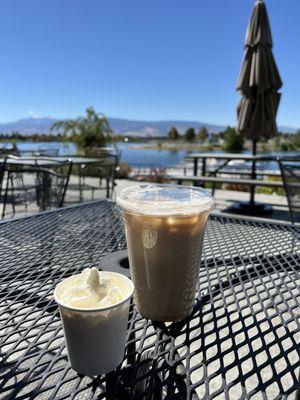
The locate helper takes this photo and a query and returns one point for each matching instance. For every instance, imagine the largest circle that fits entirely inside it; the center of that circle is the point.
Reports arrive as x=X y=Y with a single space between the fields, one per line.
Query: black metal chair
x=291 y=179
x=2 y=169
x=28 y=189
x=93 y=180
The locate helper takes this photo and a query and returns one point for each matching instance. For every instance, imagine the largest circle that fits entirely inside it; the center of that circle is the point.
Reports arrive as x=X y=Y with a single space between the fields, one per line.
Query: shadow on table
x=173 y=361
x=262 y=354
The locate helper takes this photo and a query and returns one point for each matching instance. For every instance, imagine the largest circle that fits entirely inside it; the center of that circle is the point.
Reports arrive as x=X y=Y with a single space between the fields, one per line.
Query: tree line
x=34 y=137
x=233 y=141
x=190 y=134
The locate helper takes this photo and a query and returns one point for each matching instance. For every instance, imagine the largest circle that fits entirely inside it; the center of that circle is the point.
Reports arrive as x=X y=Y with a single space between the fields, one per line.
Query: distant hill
x=120 y=126
x=157 y=128
x=286 y=129
x=28 y=126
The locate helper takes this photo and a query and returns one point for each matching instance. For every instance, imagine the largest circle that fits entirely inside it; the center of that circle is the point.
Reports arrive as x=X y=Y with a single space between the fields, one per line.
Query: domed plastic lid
x=164 y=200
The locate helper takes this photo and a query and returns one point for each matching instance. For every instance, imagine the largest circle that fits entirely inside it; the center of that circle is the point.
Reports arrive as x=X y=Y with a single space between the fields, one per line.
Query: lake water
x=28 y=148
x=149 y=157
x=167 y=158
x=129 y=154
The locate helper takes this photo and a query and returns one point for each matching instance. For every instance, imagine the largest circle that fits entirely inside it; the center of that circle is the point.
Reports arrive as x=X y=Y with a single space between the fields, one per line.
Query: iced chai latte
x=164 y=227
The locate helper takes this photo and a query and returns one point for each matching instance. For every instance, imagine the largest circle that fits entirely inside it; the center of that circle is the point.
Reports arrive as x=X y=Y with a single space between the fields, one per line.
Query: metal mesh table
x=241 y=341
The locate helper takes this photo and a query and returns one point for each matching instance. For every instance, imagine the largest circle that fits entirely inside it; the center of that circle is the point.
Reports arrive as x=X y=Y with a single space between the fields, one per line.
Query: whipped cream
x=89 y=289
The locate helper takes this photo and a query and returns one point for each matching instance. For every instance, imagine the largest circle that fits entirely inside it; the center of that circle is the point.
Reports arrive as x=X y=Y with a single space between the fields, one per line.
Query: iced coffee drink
x=164 y=228
x=94 y=308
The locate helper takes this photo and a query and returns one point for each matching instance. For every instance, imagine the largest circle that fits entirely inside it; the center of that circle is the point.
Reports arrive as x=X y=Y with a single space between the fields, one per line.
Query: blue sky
x=142 y=59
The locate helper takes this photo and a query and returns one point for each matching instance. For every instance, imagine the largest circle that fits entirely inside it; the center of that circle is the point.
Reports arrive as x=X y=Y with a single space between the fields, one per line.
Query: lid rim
x=152 y=199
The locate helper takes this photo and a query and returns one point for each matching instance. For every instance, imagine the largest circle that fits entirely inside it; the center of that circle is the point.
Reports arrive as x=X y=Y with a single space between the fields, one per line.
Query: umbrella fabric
x=258 y=115
x=259 y=80
x=259 y=71
x=259 y=30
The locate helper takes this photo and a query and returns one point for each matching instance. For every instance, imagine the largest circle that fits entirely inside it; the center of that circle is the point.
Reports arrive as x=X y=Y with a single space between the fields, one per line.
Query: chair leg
x=80 y=189
x=298 y=390
x=107 y=188
x=213 y=189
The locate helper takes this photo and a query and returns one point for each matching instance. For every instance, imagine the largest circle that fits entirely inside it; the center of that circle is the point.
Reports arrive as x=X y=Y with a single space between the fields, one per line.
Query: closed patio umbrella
x=258 y=84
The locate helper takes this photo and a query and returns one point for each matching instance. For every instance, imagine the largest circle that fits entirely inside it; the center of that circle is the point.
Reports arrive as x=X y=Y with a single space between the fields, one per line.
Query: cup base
x=97 y=370
x=165 y=318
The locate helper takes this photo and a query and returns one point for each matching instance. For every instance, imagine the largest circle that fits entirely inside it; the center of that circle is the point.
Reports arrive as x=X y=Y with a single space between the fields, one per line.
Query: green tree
x=296 y=140
x=173 y=134
x=214 y=138
x=16 y=135
x=92 y=130
x=264 y=144
x=203 y=134
x=233 y=140
x=190 y=135
x=277 y=140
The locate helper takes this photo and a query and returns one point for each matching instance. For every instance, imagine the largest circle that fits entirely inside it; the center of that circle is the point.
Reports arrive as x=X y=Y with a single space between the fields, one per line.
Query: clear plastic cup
x=95 y=338
x=164 y=227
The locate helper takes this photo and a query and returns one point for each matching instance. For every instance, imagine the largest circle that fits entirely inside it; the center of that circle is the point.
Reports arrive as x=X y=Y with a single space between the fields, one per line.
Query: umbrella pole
x=252 y=208
x=253 y=173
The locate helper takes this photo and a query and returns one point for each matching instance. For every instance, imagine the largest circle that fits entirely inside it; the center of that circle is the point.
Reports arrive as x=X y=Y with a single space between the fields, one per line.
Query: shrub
x=123 y=171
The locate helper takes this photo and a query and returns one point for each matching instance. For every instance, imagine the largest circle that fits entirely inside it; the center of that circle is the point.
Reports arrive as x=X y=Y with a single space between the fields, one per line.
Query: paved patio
x=91 y=190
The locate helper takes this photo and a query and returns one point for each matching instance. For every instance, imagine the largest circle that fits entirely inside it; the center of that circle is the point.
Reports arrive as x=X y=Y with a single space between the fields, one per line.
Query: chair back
x=29 y=189
x=2 y=169
x=61 y=168
x=291 y=179
x=104 y=169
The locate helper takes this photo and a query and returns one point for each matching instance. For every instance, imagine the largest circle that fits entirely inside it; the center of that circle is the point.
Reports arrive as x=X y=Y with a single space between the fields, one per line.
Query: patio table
x=78 y=164
x=47 y=162
x=240 y=342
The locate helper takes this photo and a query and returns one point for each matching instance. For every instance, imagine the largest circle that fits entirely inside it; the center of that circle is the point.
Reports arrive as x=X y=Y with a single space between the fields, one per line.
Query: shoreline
x=175 y=147
x=190 y=147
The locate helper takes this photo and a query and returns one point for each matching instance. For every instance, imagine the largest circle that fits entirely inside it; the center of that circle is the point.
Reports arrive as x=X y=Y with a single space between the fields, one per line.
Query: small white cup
x=95 y=338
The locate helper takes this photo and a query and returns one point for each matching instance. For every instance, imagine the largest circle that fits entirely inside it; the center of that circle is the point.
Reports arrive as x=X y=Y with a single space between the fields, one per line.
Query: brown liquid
x=164 y=256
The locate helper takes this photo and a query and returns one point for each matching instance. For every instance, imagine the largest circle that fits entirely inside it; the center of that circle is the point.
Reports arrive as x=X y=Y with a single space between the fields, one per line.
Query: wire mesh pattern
x=28 y=189
x=92 y=181
x=291 y=179
x=241 y=341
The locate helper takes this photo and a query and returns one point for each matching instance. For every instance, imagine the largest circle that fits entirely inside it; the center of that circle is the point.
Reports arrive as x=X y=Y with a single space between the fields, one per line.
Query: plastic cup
x=164 y=227
x=95 y=338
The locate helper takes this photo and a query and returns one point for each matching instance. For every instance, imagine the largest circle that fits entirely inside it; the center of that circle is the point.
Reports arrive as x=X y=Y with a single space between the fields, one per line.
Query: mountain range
x=128 y=127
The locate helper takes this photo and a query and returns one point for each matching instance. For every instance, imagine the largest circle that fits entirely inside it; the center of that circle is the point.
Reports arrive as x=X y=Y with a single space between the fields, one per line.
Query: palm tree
x=90 y=131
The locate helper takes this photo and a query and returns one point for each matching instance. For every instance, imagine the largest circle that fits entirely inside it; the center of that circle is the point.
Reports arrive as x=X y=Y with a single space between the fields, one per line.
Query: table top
x=241 y=341
x=234 y=156
x=44 y=161
x=231 y=156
